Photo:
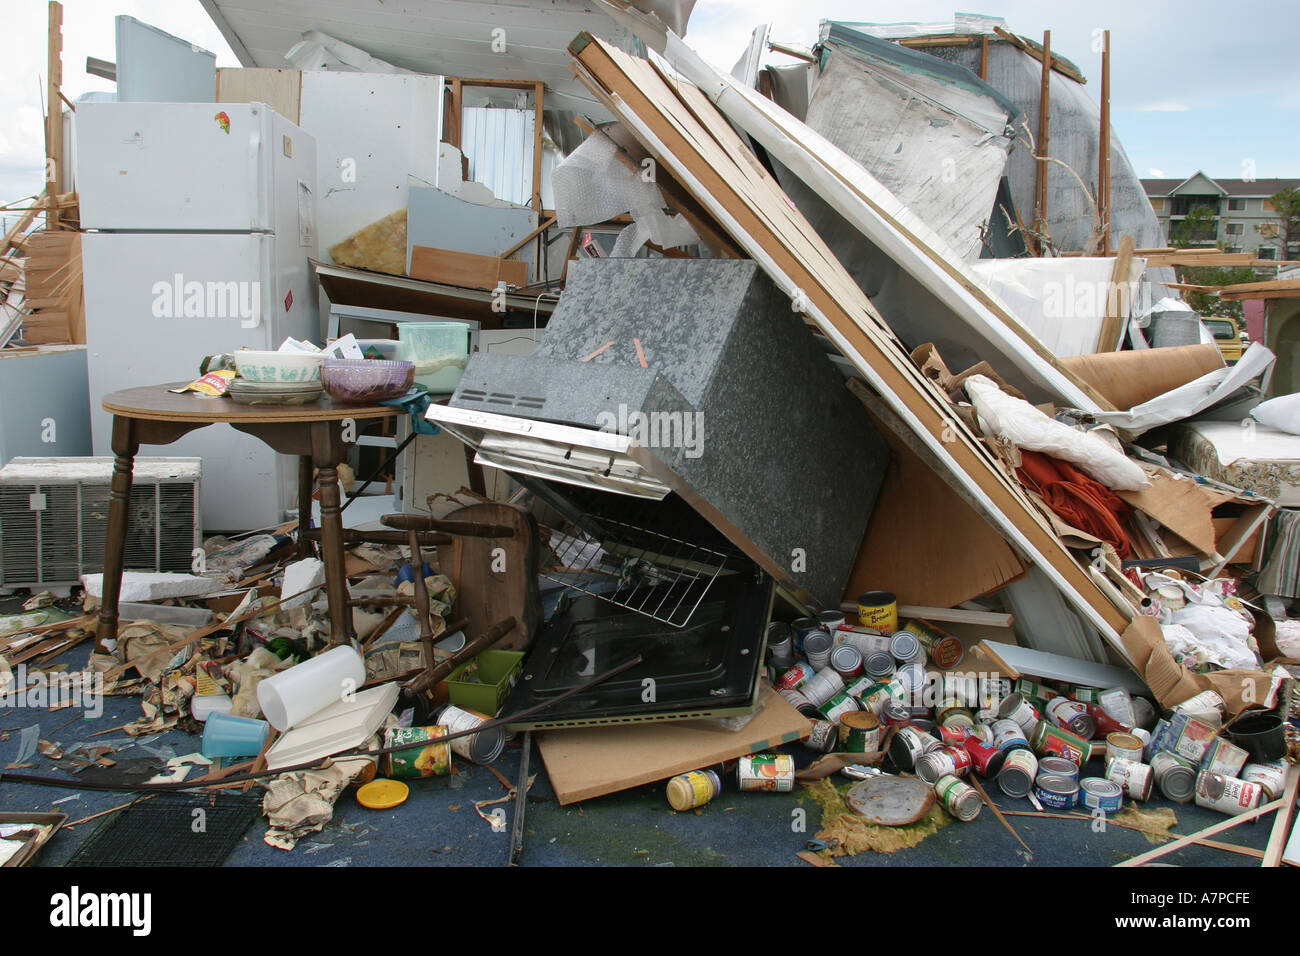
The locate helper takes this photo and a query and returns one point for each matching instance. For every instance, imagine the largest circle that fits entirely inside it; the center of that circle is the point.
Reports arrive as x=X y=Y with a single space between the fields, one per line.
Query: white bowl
x=278 y=367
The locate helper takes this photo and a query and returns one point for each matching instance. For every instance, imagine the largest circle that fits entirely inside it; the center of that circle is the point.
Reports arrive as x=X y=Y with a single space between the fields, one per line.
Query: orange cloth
x=1080 y=500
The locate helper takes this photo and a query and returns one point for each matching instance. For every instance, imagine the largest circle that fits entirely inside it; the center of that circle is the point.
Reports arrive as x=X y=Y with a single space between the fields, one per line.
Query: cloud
x=1157 y=173
x=1163 y=106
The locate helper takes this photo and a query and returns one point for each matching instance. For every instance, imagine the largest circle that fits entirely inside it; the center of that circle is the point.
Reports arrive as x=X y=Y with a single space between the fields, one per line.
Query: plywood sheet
x=594 y=761
x=279 y=89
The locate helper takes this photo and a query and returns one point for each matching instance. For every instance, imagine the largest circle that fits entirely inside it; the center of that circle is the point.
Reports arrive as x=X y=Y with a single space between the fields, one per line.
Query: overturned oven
x=695 y=450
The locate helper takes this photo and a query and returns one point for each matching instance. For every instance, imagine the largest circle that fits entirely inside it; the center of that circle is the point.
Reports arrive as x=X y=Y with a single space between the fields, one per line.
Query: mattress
x=1246 y=455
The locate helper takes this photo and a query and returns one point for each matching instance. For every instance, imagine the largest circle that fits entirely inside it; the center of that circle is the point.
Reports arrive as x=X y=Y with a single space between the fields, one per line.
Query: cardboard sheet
x=594 y=761
x=1133 y=377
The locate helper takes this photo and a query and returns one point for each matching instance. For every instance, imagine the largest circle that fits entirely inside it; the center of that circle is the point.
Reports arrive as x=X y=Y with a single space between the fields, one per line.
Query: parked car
x=1227 y=337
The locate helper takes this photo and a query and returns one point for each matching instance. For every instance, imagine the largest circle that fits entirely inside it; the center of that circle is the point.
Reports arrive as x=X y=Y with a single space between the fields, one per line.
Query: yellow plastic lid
x=382 y=794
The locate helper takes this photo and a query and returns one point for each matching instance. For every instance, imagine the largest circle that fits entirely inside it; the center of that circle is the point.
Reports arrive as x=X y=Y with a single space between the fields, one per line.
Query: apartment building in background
x=1245 y=218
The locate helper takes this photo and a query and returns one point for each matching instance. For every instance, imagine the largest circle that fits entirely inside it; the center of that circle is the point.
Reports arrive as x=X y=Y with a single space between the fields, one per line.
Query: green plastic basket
x=497 y=673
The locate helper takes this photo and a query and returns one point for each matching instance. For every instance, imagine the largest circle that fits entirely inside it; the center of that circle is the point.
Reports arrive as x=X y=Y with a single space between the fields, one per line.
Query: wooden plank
x=708 y=159
x=538 y=94
x=984 y=57
x=451 y=119
x=1044 y=122
x=1189 y=257
x=1103 y=155
x=54 y=112
x=1282 y=823
x=798 y=53
x=465 y=269
x=279 y=89
x=1117 y=301
x=1181 y=842
x=547 y=224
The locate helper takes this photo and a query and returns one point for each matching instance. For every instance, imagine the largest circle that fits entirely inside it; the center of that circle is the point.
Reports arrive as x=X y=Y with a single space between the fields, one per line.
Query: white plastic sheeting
x=499 y=146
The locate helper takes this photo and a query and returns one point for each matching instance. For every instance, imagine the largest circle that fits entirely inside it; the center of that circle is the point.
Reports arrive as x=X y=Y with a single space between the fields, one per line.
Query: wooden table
x=153 y=415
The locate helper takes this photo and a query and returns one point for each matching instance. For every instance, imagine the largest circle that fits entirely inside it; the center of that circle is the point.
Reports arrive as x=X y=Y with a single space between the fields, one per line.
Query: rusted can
x=1019 y=770
x=1098 y=793
x=481 y=748
x=1124 y=746
x=909 y=745
x=1058 y=793
x=771 y=772
x=906 y=648
x=1224 y=758
x=822 y=736
x=838 y=706
x=1269 y=776
x=1207 y=707
x=940 y=647
x=1007 y=735
x=1017 y=708
x=795 y=677
x=1174 y=776
x=1228 y=795
x=895 y=713
x=1072 y=716
x=822 y=686
x=1134 y=778
x=987 y=760
x=1058 y=767
x=817 y=648
x=958 y=798
x=1049 y=741
x=860 y=732
x=846 y=661
x=878 y=611
x=686 y=791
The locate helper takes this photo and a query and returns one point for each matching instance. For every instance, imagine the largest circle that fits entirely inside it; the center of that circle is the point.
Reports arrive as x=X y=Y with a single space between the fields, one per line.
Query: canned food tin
x=780 y=644
x=838 y=706
x=912 y=678
x=860 y=732
x=986 y=716
x=950 y=709
x=1124 y=746
x=1049 y=741
x=771 y=772
x=1084 y=695
x=1007 y=735
x=1134 y=778
x=802 y=627
x=984 y=734
x=867 y=642
x=1224 y=758
x=895 y=713
x=880 y=665
x=1019 y=770
x=817 y=648
x=1175 y=777
x=1118 y=702
x=1058 y=767
x=1207 y=707
x=905 y=648
x=822 y=736
x=993 y=691
x=1017 y=708
x=1143 y=736
x=795 y=677
x=432 y=760
x=941 y=648
x=481 y=748
x=1034 y=690
x=1098 y=793
x=952 y=735
x=909 y=745
x=823 y=685
x=686 y=791
x=1059 y=793
x=1072 y=716
x=793 y=697
x=987 y=760
x=958 y=798
x=1269 y=776
x=1227 y=794
x=1187 y=736
x=859 y=687
x=846 y=661
x=1155 y=744
x=878 y=611
x=830 y=621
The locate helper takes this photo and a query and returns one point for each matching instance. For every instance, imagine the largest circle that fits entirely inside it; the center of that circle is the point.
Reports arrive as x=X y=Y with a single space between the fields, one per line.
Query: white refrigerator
x=200 y=221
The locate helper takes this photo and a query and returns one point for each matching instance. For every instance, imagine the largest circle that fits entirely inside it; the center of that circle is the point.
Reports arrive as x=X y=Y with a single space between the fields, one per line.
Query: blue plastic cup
x=227 y=736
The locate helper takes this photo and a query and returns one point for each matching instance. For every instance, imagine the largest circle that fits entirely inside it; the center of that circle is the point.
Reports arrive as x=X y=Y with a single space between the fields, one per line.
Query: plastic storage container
x=439 y=351
x=497 y=673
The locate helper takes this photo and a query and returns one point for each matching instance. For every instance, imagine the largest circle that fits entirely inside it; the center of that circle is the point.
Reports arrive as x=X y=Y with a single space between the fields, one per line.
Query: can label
x=1175 y=776
x=1124 y=746
x=1133 y=778
x=1207 y=705
x=1226 y=794
x=1059 y=793
x=860 y=686
x=1019 y=770
x=1008 y=735
x=943 y=649
x=1104 y=795
x=860 y=733
x=1049 y=741
x=1018 y=708
x=957 y=798
x=986 y=760
x=1224 y=758
x=1187 y=737
x=822 y=736
x=690 y=790
x=1070 y=714
x=838 y=706
x=433 y=760
x=770 y=772
x=795 y=677
x=878 y=611
x=1270 y=776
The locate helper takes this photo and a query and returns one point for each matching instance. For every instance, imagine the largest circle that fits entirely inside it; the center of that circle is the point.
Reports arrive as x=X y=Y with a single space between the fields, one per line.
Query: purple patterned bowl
x=366 y=381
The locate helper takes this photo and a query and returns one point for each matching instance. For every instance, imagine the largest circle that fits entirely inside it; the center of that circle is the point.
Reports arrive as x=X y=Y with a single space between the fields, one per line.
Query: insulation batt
x=1024 y=426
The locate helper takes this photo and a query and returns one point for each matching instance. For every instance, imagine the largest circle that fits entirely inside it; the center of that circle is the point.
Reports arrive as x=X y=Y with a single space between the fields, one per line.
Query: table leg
x=125 y=445
x=306 y=548
x=327 y=452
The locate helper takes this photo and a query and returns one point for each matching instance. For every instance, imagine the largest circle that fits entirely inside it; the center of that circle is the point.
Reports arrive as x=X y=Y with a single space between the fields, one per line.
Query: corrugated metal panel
x=499 y=146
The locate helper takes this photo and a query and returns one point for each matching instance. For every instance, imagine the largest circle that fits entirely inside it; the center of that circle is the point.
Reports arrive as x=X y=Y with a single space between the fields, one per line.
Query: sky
x=1196 y=84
